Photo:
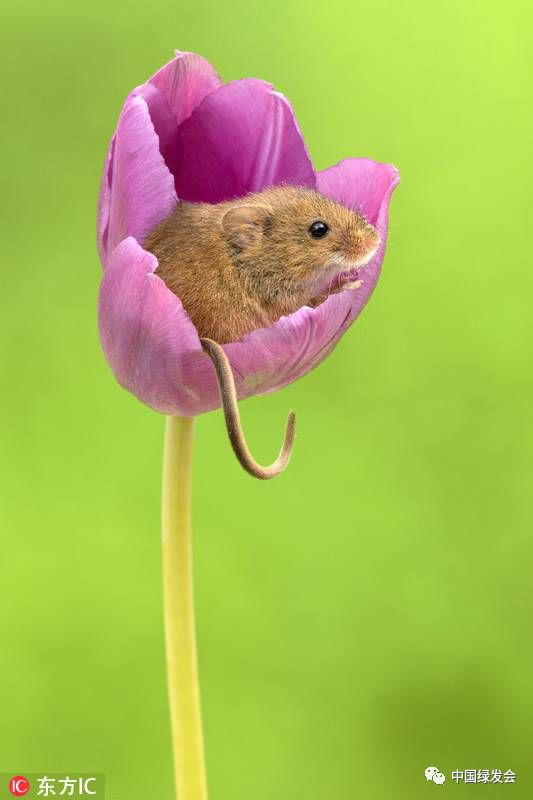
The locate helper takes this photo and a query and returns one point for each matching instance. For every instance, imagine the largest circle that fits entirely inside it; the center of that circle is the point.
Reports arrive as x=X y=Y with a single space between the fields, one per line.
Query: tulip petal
x=141 y=187
x=148 y=339
x=360 y=184
x=242 y=138
x=365 y=186
x=270 y=358
x=172 y=94
x=104 y=202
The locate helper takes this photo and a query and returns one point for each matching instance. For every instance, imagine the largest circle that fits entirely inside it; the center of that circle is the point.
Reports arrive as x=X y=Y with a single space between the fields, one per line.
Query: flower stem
x=180 y=634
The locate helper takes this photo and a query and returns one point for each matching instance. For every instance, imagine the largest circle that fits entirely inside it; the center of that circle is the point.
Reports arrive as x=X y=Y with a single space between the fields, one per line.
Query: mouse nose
x=370 y=237
x=366 y=244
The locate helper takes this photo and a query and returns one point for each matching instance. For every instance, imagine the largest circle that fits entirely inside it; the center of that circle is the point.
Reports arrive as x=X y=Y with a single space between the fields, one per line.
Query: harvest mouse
x=244 y=263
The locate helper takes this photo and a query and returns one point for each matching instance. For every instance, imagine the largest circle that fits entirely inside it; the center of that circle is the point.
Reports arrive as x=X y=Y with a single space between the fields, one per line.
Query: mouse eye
x=318 y=229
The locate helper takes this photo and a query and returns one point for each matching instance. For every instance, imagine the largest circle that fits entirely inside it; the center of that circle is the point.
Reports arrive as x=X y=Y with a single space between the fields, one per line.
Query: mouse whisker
x=228 y=396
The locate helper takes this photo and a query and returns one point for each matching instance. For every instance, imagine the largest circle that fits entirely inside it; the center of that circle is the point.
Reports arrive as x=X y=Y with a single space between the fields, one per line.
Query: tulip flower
x=184 y=135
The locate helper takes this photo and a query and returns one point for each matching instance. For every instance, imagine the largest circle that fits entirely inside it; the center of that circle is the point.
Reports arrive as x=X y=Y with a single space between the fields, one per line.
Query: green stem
x=180 y=633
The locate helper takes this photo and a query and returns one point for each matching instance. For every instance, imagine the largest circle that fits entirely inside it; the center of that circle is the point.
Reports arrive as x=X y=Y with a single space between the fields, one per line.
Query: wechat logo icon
x=433 y=774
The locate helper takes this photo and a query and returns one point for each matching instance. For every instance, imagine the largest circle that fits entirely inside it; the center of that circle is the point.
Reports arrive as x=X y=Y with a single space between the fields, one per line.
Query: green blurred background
x=369 y=613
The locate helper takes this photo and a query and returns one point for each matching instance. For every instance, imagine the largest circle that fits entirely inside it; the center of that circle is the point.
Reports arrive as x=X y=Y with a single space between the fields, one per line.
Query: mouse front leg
x=339 y=287
x=349 y=286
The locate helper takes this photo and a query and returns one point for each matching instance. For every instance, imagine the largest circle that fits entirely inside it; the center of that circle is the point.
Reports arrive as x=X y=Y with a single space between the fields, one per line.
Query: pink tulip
x=185 y=135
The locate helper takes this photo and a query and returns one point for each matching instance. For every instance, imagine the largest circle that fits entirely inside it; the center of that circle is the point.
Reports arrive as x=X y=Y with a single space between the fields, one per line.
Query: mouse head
x=299 y=231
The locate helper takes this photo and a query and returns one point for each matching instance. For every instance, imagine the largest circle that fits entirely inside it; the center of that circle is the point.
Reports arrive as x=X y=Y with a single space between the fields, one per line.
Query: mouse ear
x=244 y=225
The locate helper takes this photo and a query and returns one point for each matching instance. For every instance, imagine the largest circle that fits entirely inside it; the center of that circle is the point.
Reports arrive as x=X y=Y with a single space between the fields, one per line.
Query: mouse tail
x=228 y=396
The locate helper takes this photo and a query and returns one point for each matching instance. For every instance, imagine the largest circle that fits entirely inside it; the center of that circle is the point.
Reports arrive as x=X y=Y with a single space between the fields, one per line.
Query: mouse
x=242 y=264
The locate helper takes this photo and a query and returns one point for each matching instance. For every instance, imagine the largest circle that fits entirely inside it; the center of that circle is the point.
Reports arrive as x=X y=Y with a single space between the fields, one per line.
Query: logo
x=54 y=785
x=433 y=774
x=19 y=786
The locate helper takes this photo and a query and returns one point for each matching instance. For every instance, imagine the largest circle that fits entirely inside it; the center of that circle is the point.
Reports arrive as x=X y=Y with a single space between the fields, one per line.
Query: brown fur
x=243 y=264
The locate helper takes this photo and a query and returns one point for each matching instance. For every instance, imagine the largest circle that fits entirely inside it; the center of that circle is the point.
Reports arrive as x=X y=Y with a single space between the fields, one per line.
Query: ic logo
x=19 y=786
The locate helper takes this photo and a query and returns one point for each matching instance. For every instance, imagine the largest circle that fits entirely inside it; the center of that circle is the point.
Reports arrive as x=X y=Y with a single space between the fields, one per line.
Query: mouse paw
x=352 y=285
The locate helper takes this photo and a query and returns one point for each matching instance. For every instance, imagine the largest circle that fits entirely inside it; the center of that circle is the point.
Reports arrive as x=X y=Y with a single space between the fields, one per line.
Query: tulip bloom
x=184 y=135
